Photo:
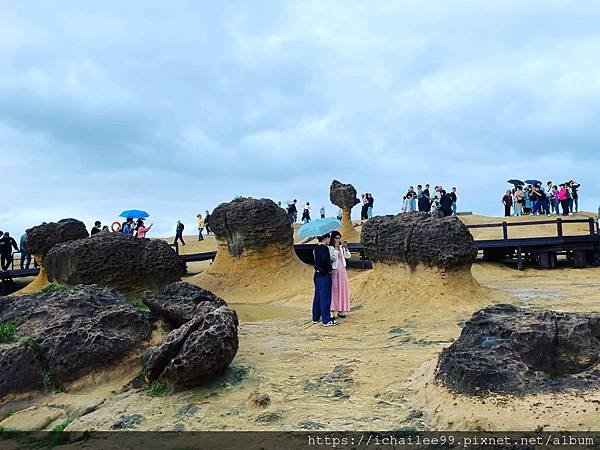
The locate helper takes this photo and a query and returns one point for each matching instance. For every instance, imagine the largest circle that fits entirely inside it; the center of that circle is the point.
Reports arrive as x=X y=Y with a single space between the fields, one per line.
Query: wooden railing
x=559 y=222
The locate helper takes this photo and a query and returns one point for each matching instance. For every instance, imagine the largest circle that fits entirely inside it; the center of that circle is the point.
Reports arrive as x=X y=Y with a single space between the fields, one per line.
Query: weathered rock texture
x=505 y=349
x=63 y=334
x=415 y=239
x=178 y=302
x=130 y=265
x=41 y=239
x=255 y=249
x=199 y=349
x=344 y=196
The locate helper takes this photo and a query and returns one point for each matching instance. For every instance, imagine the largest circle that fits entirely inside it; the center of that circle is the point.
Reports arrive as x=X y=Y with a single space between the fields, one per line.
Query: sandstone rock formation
x=414 y=239
x=255 y=250
x=130 y=265
x=200 y=348
x=41 y=239
x=63 y=334
x=344 y=196
x=505 y=349
x=178 y=302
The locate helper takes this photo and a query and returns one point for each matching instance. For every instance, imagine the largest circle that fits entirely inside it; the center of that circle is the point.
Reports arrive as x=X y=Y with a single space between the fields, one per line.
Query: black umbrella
x=516 y=182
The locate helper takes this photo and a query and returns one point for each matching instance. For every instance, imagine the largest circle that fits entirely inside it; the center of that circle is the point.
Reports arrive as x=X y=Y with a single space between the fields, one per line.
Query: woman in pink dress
x=340 y=293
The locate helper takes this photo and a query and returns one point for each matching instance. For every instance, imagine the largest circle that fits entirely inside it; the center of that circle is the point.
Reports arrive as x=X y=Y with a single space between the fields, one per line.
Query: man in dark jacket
x=7 y=243
x=207 y=223
x=179 y=233
x=322 y=280
x=97 y=228
x=445 y=203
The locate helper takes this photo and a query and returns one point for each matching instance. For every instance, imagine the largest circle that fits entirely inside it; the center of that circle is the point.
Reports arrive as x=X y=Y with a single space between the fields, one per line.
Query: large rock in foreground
x=505 y=349
x=419 y=239
x=178 y=302
x=199 y=349
x=130 y=265
x=64 y=334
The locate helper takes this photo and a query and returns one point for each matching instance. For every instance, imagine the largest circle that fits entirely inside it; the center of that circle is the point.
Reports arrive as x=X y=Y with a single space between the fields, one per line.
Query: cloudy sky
x=177 y=106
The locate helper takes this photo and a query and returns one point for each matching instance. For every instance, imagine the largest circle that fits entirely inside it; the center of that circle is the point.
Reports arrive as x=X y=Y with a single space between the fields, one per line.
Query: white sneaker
x=315 y=322
x=331 y=323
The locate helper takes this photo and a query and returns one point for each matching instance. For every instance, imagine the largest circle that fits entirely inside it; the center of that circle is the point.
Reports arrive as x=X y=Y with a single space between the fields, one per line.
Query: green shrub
x=7 y=331
x=139 y=304
x=56 y=287
x=158 y=389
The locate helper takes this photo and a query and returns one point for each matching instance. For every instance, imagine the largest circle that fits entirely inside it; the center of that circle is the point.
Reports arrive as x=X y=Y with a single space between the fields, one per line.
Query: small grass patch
x=158 y=389
x=48 y=379
x=7 y=331
x=56 y=287
x=139 y=304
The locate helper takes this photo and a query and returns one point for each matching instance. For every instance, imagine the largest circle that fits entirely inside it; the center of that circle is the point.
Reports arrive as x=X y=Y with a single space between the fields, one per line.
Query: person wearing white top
x=340 y=292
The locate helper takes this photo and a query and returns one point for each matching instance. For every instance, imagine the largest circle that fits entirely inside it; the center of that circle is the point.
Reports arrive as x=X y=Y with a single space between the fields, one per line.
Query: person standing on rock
x=127 y=228
x=200 y=227
x=179 y=233
x=96 y=228
x=322 y=280
x=322 y=212
x=142 y=230
x=364 y=207
x=293 y=212
x=411 y=199
x=454 y=200
x=306 y=213
x=340 y=292
x=7 y=243
x=445 y=203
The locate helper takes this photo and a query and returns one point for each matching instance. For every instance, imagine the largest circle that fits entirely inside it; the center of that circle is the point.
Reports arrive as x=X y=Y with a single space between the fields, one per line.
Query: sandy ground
x=371 y=372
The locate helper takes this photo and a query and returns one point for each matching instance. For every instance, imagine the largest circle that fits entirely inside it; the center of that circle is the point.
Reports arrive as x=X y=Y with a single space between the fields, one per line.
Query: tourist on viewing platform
x=518 y=200
x=292 y=212
x=142 y=230
x=25 y=255
x=553 y=196
x=201 y=224
x=411 y=199
x=507 y=201
x=420 y=198
x=574 y=195
x=563 y=198
x=96 y=228
x=127 y=227
x=207 y=221
x=340 y=292
x=544 y=202
x=322 y=280
x=306 y=213
x=7 y=243
x=536 y=199
x=179 y=233
x=364 y=206
x=426 y=199
x=445 y=203
x=435 y=200
x=370 y=202
x=454 y=200
x=322 y=212
x=528 y=203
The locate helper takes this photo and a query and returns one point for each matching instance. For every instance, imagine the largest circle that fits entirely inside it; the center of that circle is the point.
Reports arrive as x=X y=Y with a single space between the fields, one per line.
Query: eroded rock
x=130 y=265
x=343 y=195
x=41 y=238
x=505 y=349
x=63 y=334
x=419 y=239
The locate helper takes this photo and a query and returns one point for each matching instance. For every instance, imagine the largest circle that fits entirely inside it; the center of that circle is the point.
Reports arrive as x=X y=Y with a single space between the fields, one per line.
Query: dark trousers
x=565 y=207
x=322 y=298
x=25 y=260
x=6 y=259
x=507 y=209
x=180 y=237
x=200 y=237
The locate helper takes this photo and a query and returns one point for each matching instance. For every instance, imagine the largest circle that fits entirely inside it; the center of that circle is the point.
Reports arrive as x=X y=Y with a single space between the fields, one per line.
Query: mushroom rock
x=344 y=196
x=508 y=350
x=255 y=252
x=41 y=239
x=418 y=259
x=63 y=334
x=126 y=263
x=418 y=239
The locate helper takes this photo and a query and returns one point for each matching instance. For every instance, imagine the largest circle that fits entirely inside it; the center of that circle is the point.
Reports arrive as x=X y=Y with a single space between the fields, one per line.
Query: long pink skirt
x=340 y=293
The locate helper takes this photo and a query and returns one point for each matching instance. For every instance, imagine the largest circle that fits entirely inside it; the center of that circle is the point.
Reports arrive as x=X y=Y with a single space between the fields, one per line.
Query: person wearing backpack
x=127 y=227
x=179 y=233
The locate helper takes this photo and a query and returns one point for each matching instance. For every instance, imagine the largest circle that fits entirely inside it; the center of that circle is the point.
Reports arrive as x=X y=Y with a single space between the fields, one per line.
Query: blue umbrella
x=134 y=214
x=533 y=182
x=319 y=227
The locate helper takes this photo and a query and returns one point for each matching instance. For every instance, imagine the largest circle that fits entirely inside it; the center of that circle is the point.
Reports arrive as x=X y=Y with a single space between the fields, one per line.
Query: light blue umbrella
x=134 y=214
x=319 y=227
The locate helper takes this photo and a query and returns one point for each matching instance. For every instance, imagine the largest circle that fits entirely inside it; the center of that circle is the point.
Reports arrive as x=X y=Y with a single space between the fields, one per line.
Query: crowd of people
x=366 y=211
x=423 y=200
x=533 y=199
x=332 y=295
x=291 y=209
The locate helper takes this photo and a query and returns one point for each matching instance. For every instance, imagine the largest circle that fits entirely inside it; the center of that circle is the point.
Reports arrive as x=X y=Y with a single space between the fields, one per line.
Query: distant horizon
x=175 y=108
